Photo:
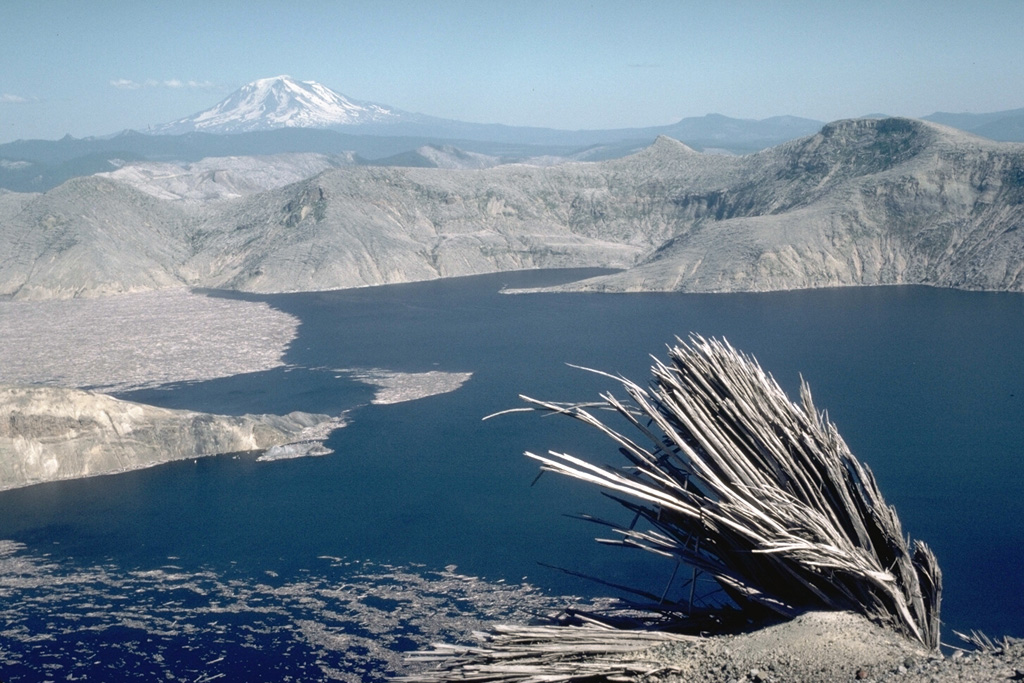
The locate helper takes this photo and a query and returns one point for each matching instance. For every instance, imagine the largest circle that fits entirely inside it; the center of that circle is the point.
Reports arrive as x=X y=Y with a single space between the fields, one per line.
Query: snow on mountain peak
x=281 y=102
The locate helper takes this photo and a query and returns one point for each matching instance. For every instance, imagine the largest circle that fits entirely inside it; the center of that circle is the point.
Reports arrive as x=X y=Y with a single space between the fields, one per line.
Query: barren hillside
x=863 y=202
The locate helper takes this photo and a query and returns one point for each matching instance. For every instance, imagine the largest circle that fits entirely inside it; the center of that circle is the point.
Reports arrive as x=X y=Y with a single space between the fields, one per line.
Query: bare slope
x=356 y=227
x=216 y=178
x=862 y=202
x=91 y=236
x=49 y=433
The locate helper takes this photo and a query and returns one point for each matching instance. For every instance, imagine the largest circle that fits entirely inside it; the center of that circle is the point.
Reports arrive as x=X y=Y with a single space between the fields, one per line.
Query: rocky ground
x=817 y=647
x=52 y=433
x=828 y=647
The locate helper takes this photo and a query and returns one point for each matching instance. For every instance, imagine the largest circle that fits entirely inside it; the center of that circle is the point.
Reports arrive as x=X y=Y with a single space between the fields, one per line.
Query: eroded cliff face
x=862 y=202
x=50 y=433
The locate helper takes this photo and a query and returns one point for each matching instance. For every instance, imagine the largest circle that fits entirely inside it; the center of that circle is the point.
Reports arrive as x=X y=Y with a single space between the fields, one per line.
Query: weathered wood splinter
x=757 y=491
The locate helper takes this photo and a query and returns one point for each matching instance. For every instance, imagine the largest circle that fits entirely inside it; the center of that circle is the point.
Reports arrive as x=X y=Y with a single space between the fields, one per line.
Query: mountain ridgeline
x=862 y=202
x=281 y=115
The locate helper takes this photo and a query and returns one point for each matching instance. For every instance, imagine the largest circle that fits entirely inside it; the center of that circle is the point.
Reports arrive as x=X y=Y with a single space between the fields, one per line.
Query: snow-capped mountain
x=282 y=102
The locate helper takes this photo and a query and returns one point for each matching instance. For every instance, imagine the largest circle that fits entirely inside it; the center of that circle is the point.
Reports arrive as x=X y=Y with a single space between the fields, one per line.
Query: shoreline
x=815 y=647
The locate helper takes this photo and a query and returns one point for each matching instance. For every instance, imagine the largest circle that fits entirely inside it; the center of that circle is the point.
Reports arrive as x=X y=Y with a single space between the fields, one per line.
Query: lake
x=424 y=520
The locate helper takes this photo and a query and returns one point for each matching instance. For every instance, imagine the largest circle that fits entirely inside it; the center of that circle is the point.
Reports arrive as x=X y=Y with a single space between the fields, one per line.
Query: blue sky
x=96 y=67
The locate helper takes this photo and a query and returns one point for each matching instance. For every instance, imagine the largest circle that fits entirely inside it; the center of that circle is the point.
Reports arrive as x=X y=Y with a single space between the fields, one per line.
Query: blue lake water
x=287 y=569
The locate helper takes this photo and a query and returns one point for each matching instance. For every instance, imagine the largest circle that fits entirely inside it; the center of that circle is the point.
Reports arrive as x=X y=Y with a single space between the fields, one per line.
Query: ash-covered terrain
x=51 y=433
x=862 y=202
x=214 y=178
x=51 y=429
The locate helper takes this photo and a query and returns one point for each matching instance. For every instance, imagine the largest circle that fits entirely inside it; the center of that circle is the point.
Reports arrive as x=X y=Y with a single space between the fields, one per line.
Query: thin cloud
x=128 y=84
x=644 y=65
x=176 y=83
x=8 y=98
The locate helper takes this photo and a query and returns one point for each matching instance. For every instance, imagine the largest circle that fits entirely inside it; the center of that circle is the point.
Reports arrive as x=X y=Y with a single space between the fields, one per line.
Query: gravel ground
x=817 y=647
x=828 y=647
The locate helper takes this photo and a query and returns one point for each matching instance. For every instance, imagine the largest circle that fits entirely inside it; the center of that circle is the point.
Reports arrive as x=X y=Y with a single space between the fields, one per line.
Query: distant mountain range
x=1004 y=126
x=861 y=202
x=281 y=115
x=282 y=102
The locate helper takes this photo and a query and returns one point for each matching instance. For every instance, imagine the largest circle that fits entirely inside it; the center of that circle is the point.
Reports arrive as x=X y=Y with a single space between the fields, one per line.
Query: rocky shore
x=52 y=433
x=816 y=647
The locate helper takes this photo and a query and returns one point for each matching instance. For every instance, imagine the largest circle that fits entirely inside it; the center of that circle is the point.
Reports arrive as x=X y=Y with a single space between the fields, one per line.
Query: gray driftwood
x=762 y=493
x=736 y=480
x=535 y=654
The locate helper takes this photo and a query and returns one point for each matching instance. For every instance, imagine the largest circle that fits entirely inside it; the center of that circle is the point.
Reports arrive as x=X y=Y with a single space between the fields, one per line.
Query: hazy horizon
x=97 y=68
